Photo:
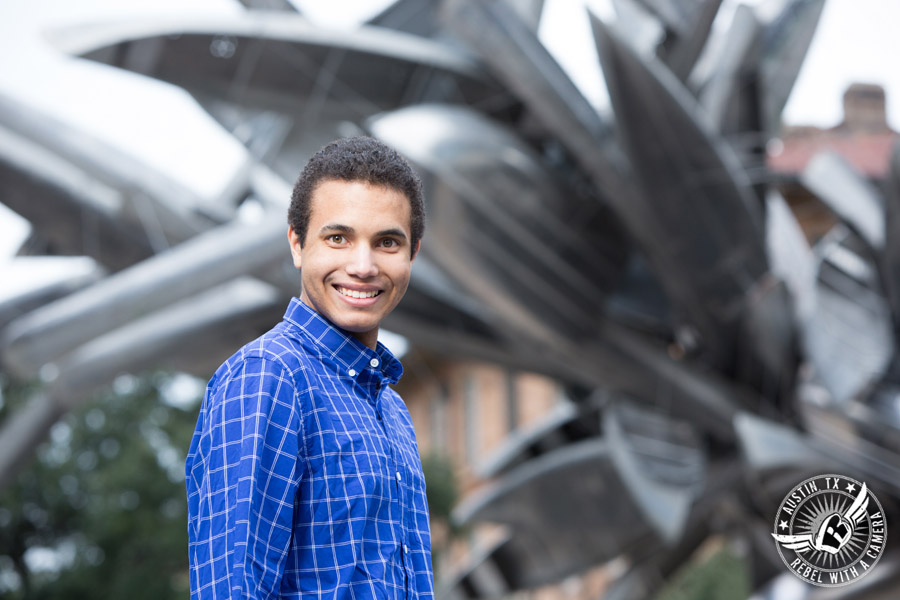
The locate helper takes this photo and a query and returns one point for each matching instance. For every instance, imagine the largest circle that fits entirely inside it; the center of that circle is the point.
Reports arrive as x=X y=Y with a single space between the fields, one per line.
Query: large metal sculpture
x=644 y=259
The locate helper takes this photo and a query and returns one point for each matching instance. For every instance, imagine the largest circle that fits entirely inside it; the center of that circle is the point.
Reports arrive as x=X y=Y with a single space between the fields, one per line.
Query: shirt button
x=406 y=548
x=398 y=476
x=352 y=372
x=374 y=362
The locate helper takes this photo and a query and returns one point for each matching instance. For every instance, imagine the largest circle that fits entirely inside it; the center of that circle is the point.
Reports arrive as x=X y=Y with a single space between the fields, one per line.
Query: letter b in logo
x=833 y=533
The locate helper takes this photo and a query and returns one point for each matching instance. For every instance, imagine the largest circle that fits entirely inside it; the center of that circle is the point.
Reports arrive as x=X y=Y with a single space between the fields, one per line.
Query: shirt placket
x=402 y=500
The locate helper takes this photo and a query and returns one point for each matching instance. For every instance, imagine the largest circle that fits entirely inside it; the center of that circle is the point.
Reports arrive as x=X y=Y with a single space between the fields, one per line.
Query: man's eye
x=336 y=238
x=389 y=243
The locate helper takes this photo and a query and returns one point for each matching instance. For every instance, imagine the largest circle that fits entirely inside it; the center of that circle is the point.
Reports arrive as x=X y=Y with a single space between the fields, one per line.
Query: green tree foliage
x=100 y=512
x=442 y=491
x=440 y=485
x=720 y=576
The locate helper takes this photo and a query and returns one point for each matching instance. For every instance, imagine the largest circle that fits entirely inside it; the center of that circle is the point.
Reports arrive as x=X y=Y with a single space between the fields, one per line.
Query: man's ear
x=416 y=251
x=296 y=250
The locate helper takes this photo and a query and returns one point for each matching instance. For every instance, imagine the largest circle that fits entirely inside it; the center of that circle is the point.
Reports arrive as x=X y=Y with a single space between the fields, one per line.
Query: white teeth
x=357 y=294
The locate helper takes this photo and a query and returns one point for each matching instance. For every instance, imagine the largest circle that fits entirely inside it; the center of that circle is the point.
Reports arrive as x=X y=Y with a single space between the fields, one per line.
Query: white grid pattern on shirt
x=291 y=476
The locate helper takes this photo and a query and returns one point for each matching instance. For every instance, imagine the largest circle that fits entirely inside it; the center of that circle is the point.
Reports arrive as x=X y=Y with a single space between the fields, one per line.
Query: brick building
x=863 y=138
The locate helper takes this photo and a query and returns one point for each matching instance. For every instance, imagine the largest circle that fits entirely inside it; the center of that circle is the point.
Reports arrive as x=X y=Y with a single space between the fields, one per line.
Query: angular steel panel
x=696 y=218
x=281 y=62
x=556 y=535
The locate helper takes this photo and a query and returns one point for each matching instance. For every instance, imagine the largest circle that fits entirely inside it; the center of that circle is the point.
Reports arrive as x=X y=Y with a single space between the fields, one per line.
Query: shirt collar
x=348 y=354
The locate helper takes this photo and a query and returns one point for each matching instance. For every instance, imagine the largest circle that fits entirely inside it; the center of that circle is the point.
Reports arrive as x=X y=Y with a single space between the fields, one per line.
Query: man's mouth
x=356 y=293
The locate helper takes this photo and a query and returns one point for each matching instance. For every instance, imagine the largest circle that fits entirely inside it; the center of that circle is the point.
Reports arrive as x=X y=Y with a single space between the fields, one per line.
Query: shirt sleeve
x=245 y=474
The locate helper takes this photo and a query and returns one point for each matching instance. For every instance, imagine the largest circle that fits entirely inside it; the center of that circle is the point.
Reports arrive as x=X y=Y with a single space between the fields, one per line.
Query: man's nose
x=362 y=262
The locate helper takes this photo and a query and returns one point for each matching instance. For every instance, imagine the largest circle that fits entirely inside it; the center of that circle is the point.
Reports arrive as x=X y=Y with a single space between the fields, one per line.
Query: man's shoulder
x=391 y=395
x=281 y=348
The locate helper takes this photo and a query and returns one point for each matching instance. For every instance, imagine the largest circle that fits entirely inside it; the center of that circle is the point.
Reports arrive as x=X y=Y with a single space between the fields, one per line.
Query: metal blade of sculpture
x=641 y=255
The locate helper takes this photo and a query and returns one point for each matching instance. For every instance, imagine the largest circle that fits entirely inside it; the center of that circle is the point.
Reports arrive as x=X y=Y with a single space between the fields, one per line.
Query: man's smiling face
x=355 y=261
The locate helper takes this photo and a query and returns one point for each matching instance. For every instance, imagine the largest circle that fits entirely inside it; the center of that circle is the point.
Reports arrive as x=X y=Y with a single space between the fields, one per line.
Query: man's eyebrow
x=393 y=232
x=336 y=227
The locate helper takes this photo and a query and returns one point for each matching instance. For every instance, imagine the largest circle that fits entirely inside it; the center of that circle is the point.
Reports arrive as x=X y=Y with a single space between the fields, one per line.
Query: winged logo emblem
x=834 y=531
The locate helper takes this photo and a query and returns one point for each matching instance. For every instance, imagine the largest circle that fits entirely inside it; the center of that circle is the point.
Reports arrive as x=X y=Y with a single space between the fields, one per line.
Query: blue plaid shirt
x=303 y=476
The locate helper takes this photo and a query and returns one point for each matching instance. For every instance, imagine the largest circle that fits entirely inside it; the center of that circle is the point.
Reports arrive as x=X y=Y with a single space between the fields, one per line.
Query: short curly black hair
x=362 y=159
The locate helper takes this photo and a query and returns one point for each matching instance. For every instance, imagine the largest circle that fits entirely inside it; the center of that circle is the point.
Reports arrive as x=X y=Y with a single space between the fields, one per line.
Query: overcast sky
x=856 y=41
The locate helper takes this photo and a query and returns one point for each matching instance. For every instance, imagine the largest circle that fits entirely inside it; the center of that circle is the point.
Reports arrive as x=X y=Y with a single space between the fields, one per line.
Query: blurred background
x=660 y=284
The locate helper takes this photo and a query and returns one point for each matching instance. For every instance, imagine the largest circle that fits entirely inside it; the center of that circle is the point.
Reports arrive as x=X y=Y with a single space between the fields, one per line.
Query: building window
x=512 y=402
x=438 y=418
x=471 y=407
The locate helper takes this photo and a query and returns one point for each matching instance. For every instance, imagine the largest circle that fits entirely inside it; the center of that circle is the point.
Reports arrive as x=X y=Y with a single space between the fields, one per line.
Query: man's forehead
x=341 y=204
x=336 y=183
x=333 y=189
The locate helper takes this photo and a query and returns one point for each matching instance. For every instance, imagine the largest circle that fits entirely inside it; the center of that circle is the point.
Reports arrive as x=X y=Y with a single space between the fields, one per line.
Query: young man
x=303 y=476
